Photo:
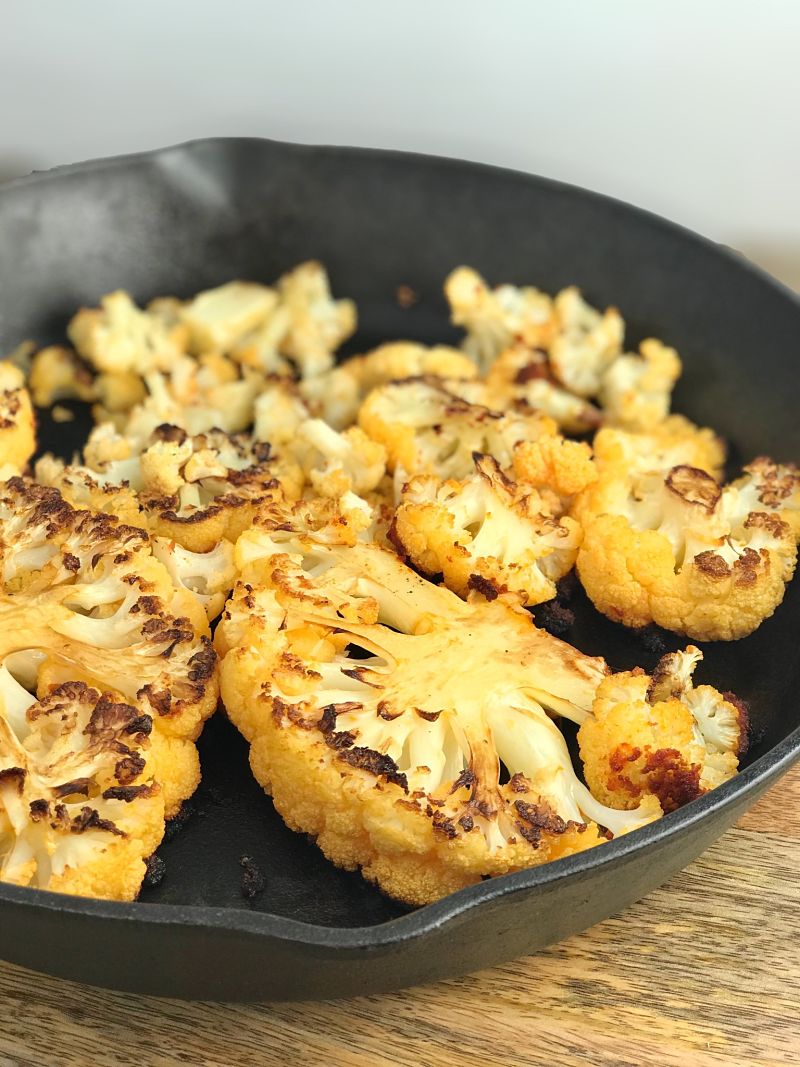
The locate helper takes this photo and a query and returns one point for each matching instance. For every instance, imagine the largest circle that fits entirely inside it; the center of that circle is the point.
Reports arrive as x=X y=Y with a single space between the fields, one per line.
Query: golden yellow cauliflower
x=393 y=762
x=661 y=736
x=17 y=423
x=485 y=534
x=80 y=806
x=83 y=598
x=678 y=550
x=675 y=442
x=524 y=374
x=426 y=429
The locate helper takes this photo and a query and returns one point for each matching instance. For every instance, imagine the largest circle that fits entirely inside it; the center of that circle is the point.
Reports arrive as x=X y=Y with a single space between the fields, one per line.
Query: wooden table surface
x=704 y=972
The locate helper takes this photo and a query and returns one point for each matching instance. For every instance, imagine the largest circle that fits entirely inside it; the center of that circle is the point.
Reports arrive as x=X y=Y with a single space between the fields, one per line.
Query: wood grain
x=705 y=972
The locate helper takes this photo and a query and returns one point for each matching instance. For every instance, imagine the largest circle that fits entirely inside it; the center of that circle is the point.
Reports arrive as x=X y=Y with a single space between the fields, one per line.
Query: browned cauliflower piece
x=393 y=762
x=17 y=422
x=337 y=394
x=661 y=736
x=524 y=374
x=677 y=549
x=195 y=495
x=497 y=318
x=82 y=597
x=485 y=534
x=80 y=807
x=427 y=430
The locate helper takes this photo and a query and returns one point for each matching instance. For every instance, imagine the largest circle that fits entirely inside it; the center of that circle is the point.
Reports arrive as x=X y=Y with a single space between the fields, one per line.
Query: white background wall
x=688 y=107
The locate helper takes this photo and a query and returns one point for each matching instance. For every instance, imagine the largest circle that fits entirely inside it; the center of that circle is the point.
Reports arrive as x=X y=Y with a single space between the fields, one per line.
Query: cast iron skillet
x=185 y=218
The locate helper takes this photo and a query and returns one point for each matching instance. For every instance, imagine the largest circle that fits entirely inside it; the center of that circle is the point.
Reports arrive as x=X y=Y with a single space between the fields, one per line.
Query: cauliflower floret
x=681 y=551
x=83 y=595
x=279 y=412
x=556 y=466
x=485 y=534
x=393 y=762
x=198 y=395
x=585 y=344
x=427 y=430
x=193 y=490
x=333 y=396
x=17 y=421
x=318 y=324
x=337 y=394
x=337 y=463
x=219 y=318
x=636 y=391
x=661 y=736
x=80 y=808
x=675 y=442
x=773 y=487
x=119 y=337
x=524 y=374
x=396 y=360
x=497 y=318
x=56 y=373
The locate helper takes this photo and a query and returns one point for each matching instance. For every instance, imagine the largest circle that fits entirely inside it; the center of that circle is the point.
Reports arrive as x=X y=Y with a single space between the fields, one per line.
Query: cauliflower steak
x=355 y=682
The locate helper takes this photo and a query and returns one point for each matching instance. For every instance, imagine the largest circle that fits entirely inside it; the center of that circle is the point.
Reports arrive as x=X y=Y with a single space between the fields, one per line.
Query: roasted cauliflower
x=118 y=337
x=17 y=423
x=426 y=429
x=679 y=550
x=636 y=390
x=497 y=318
x=485 y=534
x=83 y=598
x=661 y=736
x=80 y=806
x=524 y=374
x=393 y=762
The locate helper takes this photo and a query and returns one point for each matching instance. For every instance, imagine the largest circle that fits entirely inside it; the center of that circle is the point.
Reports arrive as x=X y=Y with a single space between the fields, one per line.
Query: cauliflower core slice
x=80 y=808
x=17 y=423
x=393 y=761
x=661 y=736
x=426 y=429
x=485 y=534
x=680 y=551
x=86 y=595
